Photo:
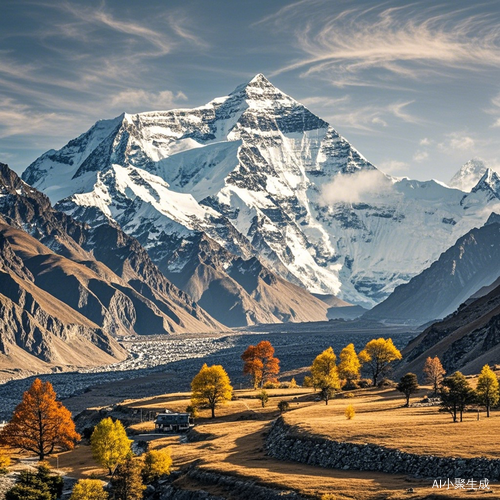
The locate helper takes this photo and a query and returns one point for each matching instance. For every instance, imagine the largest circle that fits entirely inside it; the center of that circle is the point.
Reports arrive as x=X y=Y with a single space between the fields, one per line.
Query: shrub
x=271 y=385
x=157 y=463
x=351 y=385
x=293 y=383
x=364 y=383
x=283 y=406
x=348 y=395
x=88 y=489
x=193 y=410
x=385 y=382
x=350 y=412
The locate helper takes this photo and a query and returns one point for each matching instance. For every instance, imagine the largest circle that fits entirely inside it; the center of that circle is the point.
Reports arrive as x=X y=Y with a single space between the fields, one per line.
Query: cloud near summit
x=352 y=188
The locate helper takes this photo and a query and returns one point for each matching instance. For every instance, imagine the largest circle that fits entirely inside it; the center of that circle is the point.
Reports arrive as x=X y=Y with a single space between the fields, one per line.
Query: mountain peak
x=468 y=175
x=490 y=181
x=259 y=79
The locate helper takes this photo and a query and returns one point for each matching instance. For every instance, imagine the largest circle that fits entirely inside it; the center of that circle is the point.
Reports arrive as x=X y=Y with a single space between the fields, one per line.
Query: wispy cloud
x=346 y=113
x=17 y=118
x=458 y=141
x=408 y=41
x=142 y=100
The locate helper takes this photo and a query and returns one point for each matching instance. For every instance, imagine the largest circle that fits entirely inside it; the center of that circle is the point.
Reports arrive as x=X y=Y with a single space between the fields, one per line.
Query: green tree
x=264 y=397
x=378 y=354
x=157 y=463
x=40 y=485
x=40 y=424
x=126 y=483
x=456 y=394
x=211 y=387
x=434 y=372
x=324 y=374
x=88 y=489
x=487 y=388
x=349 y=366
x=110 y=444
x=408 y=385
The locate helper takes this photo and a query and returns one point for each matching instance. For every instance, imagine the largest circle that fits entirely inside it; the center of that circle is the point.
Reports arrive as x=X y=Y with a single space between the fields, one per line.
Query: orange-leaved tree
x=40 y=424
x=260 y=363
x=434 y=372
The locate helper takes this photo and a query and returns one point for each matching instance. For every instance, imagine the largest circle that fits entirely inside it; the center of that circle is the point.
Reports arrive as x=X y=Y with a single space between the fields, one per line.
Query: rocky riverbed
x=165 y=364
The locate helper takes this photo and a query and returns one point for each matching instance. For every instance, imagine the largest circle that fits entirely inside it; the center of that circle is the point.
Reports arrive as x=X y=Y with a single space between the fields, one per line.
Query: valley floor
x=170 y=362
x=234 y=442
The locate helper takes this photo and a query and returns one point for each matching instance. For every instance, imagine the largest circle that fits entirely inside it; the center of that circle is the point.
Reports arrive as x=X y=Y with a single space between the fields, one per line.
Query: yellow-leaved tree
x=88 y=489
x=487 y=388
x=349 y=365
x=325 y=375
x=211 y=387
x=378 y=354
x=157 y=463
x=110 y=444
x=40 y=424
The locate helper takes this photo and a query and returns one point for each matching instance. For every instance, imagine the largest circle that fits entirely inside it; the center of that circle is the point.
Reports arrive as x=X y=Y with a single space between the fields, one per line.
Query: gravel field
x=165 y=364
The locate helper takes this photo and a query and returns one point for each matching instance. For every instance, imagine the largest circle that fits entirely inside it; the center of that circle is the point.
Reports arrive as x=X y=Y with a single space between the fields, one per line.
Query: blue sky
x=414 y=86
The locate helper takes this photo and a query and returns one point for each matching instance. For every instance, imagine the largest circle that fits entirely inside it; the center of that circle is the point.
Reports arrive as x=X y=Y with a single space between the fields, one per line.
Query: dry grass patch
x=381 y=419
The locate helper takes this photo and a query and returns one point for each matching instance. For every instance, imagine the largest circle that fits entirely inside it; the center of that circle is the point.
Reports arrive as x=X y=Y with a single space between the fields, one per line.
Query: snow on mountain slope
x=261 y=175
x=468 y=175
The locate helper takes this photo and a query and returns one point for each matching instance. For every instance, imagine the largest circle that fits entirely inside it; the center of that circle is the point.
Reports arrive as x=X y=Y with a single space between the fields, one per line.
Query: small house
x=173 y=422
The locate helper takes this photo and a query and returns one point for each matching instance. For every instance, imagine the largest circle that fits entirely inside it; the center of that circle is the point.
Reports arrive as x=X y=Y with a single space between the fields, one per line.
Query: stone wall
x=286 y=443
x=227 y=486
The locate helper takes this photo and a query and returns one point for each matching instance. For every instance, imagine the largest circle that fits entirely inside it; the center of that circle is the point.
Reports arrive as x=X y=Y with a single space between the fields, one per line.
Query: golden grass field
x=233 y=441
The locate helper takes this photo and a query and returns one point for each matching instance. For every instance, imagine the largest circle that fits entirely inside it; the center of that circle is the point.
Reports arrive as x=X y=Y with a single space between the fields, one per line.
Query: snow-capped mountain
x=468 y=175
x=471 y=263
x=262 y=176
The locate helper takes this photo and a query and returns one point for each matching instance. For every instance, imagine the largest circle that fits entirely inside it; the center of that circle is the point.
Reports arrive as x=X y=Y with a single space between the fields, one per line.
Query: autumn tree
x=126 y=483
x=110 y=444
x=89 y=489
x=408 y=385
x=324 y=374
x=349 y=365
x=40 y=424
x=456 y=394
x=434 y=372
x=4 y=461
x=157 y=463
x=378 y=354
x=211 y=387
x=487 y=388
x=260 y=363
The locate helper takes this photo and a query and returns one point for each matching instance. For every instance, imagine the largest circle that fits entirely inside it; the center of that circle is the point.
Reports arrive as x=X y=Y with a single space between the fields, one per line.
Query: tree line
x=455 y=391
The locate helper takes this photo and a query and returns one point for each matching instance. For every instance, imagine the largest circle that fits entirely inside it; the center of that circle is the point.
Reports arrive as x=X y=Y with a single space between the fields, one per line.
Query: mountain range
x=256 y=175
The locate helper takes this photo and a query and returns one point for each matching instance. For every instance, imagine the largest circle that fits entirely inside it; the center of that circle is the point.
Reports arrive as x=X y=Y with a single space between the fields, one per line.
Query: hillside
x=466 y=340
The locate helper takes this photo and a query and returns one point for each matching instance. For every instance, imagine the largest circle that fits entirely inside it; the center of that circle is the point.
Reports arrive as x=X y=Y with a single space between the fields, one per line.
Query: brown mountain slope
x=465 y=340
x=237 y=291
x=141 y=300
